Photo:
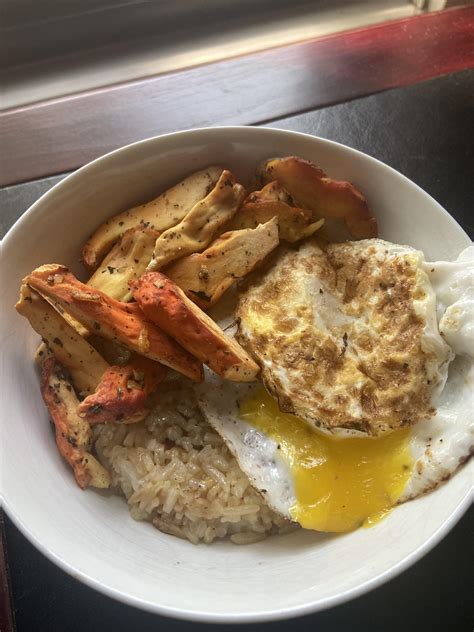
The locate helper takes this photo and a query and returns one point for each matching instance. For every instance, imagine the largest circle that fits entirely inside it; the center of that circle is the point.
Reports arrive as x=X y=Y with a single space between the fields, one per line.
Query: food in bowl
x=363 y=404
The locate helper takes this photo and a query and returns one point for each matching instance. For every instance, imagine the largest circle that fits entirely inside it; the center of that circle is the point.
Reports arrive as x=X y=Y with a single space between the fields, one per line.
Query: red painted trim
x=60 y=135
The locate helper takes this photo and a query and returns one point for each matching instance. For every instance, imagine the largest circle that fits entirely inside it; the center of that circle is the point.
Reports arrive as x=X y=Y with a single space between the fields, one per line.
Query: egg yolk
x=340 y=483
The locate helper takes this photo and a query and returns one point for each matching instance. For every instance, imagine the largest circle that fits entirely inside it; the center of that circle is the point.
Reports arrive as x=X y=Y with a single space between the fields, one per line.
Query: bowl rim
x=286 y=612
x=227 y=128
x=264 y=616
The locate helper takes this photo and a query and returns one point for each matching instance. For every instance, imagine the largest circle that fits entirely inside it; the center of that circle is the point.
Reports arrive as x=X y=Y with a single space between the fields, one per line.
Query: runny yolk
x=340 y=483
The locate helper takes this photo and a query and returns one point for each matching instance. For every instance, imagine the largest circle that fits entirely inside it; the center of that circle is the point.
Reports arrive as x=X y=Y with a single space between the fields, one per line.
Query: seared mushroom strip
x=127 y=260
x=273 y=201
x=83 y=362
x=197 y=229
x=161 y=213
x=205 y=276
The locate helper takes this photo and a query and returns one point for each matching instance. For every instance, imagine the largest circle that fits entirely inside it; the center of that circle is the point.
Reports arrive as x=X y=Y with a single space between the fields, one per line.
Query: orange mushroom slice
x=124 y=323
x=73 y=434
x=123 y=393
x=310 y=187
x=164 y=303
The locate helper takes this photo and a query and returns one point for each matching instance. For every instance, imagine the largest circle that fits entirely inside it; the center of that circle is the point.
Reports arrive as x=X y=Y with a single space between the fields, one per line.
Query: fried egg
x=347 y=336
x=337 y=482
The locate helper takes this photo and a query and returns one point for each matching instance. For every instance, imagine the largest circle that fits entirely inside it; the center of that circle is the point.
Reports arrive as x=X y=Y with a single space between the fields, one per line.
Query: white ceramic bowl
x=91 y=535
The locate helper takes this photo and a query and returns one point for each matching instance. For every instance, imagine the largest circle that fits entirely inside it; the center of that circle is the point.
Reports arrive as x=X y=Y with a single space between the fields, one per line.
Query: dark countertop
x=424 y=131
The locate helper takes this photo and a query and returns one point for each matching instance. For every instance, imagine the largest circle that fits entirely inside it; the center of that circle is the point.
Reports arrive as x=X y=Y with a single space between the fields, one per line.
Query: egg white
x=441 y=444
x=453 y=283
x=257 y=454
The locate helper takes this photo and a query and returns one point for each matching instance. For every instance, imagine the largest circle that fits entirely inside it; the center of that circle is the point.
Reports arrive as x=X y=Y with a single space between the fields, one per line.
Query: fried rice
x=177 y=472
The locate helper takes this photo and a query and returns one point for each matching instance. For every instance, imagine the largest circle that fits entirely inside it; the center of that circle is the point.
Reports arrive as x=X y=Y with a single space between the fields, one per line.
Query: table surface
x=62 y=134
x=424 y=131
